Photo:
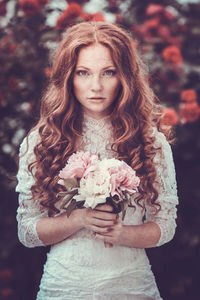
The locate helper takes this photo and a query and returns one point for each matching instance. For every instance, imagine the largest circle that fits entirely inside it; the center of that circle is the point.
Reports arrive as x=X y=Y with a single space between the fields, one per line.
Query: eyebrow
x=89 y=68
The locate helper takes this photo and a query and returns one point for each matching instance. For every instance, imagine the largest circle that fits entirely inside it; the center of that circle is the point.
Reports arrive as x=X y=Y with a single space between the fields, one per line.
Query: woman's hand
x=99 y=220
x=104 y=223
x=114 y=235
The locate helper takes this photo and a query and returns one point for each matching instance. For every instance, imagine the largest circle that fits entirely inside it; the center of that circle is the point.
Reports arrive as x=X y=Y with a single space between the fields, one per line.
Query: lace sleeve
x=29 y=211
x=166 y=186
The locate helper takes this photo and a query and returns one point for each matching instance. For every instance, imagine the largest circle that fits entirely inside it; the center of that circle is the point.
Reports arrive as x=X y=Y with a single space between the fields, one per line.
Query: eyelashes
x=82 y=73
x=106 y=73
x=110 y=73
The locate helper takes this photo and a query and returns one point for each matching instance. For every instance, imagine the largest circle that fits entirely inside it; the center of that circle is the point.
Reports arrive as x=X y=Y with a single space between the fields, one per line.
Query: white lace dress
x=80 y=267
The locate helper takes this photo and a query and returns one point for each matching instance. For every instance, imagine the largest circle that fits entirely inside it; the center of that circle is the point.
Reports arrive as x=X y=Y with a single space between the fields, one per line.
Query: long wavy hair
x=135 y=112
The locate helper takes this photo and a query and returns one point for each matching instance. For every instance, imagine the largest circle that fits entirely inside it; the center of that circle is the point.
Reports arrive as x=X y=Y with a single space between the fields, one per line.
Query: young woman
x=98 y=100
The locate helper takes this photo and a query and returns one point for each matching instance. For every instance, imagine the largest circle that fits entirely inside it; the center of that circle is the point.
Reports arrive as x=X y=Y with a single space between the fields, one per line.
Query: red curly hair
x=135 y=112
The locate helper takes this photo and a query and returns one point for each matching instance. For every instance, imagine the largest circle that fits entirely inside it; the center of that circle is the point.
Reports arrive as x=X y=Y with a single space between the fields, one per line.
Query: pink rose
x=123 y=178
x=78 y=165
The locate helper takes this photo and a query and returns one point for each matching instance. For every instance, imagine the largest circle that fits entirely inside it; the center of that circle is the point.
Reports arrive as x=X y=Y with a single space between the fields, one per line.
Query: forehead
x=94 y=56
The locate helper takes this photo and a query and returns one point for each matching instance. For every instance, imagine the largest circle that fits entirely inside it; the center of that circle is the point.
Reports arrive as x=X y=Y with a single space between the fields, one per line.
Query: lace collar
x=90 y=122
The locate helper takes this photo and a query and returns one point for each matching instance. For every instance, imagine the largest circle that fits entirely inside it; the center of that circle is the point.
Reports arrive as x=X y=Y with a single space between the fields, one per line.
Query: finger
x=104 y=207
x=100 y=230
x=108 y=245
x=102 y=223
x=104 y=238
x=104 y=215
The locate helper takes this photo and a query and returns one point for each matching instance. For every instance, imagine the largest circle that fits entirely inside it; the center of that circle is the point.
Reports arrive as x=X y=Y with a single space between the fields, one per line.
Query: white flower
x=94 y=188
x=106 y=164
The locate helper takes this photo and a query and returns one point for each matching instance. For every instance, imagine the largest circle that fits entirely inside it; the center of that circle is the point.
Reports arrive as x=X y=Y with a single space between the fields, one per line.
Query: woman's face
x=96 y=83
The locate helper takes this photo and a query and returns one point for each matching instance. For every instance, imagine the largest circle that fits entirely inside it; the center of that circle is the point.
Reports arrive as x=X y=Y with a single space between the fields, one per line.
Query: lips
x=96 y=98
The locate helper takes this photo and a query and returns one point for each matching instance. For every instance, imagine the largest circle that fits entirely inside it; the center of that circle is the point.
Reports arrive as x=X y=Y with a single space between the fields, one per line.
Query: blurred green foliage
x=25 y=42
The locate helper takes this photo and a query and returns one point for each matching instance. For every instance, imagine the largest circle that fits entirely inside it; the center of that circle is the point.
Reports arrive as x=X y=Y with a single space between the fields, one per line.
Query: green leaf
x=66 y=201
x=123 y=214
x=70 y=183
x=71 y=207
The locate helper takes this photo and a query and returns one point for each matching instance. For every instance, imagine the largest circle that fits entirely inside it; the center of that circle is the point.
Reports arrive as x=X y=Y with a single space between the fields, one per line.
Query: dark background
x=168 y=35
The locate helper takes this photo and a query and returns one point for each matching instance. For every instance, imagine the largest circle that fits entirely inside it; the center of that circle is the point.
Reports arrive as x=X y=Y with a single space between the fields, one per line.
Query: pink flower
x=94 y=188
x=123 y=178
x=79 y=164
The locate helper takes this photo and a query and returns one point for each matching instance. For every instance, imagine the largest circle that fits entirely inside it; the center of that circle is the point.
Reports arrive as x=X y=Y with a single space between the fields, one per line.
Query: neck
x=96 y=116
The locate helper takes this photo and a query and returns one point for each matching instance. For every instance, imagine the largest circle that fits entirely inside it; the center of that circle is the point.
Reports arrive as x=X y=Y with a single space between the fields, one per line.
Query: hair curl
x=135 y=112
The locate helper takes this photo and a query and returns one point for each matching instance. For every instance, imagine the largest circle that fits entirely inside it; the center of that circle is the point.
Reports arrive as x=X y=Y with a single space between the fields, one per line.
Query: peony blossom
x=189 y=95
x=98 y=180
x=172 y=54
x=123 y=178
x=170 y=117
x=78 y=164
x=94 y=188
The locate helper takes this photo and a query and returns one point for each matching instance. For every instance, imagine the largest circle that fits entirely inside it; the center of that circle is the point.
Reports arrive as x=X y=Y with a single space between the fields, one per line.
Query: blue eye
x=82 y=73
x=110 y=73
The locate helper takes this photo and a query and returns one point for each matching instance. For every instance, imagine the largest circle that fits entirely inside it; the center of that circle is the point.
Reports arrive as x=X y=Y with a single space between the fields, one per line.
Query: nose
x=96 y=84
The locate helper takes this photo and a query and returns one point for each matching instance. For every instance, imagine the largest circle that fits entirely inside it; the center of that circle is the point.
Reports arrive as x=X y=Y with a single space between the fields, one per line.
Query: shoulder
x=29 y=142
x=160 y=139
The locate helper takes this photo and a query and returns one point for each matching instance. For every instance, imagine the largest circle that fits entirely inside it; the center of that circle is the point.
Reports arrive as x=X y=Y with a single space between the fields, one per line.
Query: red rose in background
x=153 y=9
x=170 y=117
x=172 y=54
x=98 y=17
x=73 y=11
x=29 y=7
x=189 y=112
x=86 y=16
x=189 y=95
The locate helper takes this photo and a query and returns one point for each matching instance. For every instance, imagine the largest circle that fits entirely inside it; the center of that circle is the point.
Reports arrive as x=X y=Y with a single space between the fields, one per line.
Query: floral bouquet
x=90 y=181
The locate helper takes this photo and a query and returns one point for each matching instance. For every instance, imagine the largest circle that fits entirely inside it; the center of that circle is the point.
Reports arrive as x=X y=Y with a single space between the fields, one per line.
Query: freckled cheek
x=79 y=86
x=113 y=88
